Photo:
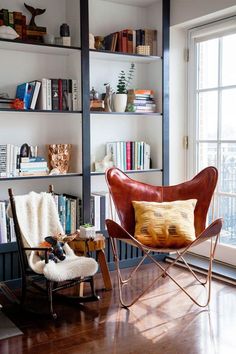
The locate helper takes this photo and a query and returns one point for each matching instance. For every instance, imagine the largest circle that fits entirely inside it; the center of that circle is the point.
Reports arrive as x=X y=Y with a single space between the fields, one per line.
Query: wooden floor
x=164 y=321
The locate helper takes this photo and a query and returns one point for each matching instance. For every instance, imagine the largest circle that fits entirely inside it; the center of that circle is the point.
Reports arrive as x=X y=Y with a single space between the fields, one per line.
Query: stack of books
x=33 y=166
x=17 y=20
x=35 y=33
x=128 y=40
x=142 y=101
x=5 y=102
x=129 y=155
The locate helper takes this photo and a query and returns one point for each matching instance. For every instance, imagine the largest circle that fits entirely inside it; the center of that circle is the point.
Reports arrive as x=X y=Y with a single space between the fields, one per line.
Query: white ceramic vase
x=120 y=102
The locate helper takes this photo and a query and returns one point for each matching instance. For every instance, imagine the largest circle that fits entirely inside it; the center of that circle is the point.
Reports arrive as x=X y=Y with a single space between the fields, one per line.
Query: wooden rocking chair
x=71 y=272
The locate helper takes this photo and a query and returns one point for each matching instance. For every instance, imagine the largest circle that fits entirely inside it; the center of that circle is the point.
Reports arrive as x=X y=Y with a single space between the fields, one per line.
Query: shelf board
x=38 y=111
x=127 y=113
x=43 y=48
x=117 y=56
x=130 y=171
x=40 y=177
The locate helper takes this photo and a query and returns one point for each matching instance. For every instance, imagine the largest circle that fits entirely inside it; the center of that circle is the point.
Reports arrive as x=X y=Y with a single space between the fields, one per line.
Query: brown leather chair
x=124 y=190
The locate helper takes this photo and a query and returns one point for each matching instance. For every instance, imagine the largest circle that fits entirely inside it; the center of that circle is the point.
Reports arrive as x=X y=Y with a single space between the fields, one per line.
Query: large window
x=213 y=115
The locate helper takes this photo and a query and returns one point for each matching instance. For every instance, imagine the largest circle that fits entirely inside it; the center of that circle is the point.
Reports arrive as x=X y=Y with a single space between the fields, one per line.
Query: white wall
x=185 y=14
x=186 y=10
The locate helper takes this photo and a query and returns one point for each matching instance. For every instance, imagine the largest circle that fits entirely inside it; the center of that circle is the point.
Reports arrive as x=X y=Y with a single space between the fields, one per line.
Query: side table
x=81 y=247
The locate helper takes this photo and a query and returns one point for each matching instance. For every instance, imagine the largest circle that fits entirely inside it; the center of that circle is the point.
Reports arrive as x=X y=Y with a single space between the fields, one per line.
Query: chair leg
x=49 y=285
x=164 y=273
x=23 y=290
x=95 y=297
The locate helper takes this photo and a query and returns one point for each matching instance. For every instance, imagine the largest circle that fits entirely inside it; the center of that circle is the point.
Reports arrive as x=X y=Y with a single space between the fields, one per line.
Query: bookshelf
x=87 y=131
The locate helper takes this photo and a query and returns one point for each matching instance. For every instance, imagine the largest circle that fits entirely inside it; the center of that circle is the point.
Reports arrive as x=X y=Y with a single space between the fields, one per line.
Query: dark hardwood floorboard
x=164 y=321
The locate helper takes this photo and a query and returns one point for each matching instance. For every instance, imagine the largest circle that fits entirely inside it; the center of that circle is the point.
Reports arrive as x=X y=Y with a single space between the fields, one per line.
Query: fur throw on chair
x=38 y=218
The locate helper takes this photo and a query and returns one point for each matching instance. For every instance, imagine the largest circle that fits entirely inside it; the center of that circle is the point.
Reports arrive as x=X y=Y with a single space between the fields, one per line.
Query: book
x=55 y=94
x=3 y=225
x=33 y=164
x=25 y=93
x=33 y=159
x=37 y=85
x=44 y=101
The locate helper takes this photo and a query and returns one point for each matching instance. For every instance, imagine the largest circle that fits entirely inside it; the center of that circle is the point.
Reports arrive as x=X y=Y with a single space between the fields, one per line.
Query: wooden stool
x=81 y=247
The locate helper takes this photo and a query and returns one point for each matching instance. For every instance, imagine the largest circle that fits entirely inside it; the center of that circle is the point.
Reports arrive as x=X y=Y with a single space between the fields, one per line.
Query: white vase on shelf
x=120 y=102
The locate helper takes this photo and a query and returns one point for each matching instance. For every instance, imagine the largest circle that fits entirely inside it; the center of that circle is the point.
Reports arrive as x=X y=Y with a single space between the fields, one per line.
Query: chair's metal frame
x=29 y=277
x=115 y=230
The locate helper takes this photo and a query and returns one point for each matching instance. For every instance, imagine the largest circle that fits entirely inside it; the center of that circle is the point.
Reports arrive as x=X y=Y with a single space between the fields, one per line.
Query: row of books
x=69 y=210
x=128 y=40
x=7 y=232
x=101 y=208
x=142 y=101
x=17 y=20
x=70 y=214
x=49 y=94
x=129 y=155
x=12 y=165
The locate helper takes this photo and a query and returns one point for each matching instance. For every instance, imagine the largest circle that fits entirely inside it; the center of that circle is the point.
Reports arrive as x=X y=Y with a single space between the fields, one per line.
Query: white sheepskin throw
x=38 y=217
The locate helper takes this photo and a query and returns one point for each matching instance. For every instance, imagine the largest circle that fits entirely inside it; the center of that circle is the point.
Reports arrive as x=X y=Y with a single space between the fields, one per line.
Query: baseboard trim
x=220 y=271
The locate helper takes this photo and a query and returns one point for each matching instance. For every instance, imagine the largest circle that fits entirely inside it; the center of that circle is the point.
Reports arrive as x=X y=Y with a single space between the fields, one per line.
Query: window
x=212 y=125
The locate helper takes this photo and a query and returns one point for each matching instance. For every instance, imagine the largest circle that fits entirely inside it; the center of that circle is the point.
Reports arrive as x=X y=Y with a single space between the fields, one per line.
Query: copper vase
x=59 y=156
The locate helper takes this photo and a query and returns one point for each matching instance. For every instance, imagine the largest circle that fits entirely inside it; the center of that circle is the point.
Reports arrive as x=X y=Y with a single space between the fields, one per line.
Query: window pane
x=206 y=155
x=228 y=168
x=208 y=64
x=229 y=60
x=207 y=108
x=228 y=125
x=227 y=206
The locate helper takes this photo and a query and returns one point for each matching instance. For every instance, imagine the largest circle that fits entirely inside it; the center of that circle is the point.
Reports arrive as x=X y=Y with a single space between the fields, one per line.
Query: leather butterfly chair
x=70 y=272
x=124 y=190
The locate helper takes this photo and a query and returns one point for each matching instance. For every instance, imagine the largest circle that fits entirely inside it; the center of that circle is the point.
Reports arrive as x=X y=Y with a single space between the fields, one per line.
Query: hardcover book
x=28 y=93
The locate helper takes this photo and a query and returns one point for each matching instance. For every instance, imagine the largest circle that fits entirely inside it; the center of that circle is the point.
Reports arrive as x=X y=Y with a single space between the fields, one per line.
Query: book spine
x=35 y=94
x=55 y=94
x=69 y=86
x=128 y=155
x=68 y=216
x=146 y=156
x=75 y=95
x=73 y=210
x=11 y=19
x=3 y=225
x=130 y=41
x=65 y=103
x=60 y=105
x=5 y=17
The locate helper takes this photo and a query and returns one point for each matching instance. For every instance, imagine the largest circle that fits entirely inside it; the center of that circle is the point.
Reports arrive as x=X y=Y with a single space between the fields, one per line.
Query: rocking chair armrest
x=212 y=230
x=38 y=249
x=45 y=249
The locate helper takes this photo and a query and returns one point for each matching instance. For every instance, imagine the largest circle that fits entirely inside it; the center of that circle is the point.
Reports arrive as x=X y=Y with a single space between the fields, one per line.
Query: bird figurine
x=34 y=12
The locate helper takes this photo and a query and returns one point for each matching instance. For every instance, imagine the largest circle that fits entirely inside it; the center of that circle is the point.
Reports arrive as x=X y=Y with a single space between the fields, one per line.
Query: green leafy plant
x=87 y=225
x=124 y=79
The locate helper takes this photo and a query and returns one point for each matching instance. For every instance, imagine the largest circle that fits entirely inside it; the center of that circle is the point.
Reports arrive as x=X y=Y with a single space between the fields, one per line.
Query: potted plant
x=120 y=97
x=87 y=231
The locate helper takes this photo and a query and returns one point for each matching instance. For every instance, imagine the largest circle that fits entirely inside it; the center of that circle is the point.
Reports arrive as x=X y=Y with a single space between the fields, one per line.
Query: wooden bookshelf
x=87 y=131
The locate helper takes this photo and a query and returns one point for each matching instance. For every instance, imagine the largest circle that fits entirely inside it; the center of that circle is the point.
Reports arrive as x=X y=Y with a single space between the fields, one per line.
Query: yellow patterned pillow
x=165 y=225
